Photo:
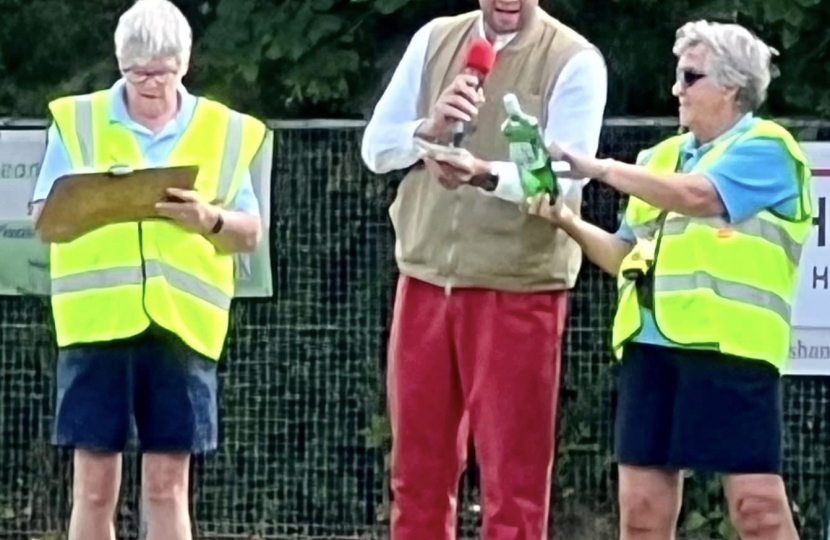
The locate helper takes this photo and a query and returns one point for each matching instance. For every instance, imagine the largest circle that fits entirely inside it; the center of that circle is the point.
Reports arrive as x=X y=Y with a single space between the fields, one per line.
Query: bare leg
x=758 y=507
x=164 y=489
x=95 y=487
x=649 y=503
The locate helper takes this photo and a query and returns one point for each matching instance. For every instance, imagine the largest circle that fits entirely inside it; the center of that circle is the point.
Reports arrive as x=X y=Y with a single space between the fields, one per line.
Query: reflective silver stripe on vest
x=83 y=129
x=729 y=290
x=188 y=283
x=97 y=279
x=647 y=229
x=230 y=157
x=755 y=226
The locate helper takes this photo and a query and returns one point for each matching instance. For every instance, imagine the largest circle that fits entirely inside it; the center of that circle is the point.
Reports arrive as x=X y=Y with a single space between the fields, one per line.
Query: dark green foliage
x=331 y=58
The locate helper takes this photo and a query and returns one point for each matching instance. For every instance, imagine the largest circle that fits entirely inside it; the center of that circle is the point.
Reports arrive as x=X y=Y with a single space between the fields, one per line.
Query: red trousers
x=479 y=360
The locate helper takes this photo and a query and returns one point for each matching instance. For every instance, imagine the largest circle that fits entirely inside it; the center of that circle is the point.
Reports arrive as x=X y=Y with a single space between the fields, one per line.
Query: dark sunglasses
x=687 y=77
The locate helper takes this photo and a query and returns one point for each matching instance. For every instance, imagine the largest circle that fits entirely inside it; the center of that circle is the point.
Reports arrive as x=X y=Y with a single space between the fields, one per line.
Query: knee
x=95 y=492
x=165 y=485
x=759 y=515
x=642 y=513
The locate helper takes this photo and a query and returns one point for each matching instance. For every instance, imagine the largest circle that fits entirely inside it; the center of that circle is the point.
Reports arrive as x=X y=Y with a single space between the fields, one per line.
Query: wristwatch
x=488 y=181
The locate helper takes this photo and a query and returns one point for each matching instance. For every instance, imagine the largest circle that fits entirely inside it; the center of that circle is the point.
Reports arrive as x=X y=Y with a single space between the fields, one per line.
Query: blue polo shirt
x=155 y=147
x=751 y=176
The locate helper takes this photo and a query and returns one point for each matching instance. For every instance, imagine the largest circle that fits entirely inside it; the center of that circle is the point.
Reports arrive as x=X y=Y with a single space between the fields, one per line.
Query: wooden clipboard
x=79 y=203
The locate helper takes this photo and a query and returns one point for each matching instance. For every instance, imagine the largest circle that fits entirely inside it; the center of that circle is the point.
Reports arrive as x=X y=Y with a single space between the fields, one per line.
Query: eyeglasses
x=138 y=76
x=687 y=77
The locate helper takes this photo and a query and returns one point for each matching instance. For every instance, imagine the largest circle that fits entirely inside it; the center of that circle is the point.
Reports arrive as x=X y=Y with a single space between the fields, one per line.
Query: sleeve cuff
x=408 y=151
x=728 y=214
x=509 y=187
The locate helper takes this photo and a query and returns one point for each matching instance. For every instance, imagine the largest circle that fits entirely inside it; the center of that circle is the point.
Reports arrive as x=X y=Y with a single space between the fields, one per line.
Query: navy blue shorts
x=699 y=410
x=152 y=382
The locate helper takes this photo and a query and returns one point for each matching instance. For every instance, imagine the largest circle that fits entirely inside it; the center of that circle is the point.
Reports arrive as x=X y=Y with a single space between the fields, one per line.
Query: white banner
x=810 y=348
x=25 y=260
x=20 y=155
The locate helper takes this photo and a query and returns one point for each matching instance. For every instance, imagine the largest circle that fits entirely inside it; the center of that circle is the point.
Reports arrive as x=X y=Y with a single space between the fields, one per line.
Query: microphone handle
x=458 y=127
x=457 y=134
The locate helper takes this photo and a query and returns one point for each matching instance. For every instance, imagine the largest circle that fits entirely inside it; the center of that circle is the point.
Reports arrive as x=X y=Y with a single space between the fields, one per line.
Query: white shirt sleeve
x=388 y=141
x=575 y=112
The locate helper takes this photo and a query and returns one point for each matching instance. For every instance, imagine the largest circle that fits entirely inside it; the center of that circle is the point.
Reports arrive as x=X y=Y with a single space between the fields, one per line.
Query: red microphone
x=479 y=62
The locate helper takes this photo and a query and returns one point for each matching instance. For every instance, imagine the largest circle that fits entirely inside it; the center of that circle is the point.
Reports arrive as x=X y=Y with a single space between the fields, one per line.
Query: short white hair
x=152 y=29
x=737 y=59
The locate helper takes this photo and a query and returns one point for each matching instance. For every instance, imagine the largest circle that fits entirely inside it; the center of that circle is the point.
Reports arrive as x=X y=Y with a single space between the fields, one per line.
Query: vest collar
x=692 y=148
x=118 y=113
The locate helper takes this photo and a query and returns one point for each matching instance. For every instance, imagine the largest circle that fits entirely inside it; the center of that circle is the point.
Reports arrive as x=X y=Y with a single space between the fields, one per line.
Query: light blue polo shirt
x=155 y=148
x=751 y=176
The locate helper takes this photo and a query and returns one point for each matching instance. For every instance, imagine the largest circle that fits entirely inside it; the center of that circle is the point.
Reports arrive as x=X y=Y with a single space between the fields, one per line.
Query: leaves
x=329 y=58
x=324 y=26
x=638 y=51
x=386 y=7
x=693 y=522
x=789 y=37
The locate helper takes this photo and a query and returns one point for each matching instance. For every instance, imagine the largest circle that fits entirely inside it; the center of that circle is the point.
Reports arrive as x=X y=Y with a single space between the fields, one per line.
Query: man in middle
x=482 y=297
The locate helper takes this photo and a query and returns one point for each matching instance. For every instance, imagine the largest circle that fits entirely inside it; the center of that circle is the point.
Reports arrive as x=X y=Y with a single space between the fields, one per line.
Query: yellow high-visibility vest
x=722 y=286
x=110 y=283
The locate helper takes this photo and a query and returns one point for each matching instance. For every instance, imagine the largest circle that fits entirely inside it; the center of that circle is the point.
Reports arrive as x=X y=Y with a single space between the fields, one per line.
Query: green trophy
x=527 y=150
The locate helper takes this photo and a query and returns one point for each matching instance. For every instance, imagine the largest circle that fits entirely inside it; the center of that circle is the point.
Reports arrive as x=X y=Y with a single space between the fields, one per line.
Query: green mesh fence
x=303 y=435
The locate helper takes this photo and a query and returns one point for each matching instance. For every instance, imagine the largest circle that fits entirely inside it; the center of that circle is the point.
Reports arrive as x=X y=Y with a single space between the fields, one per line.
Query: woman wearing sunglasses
x=706 y=262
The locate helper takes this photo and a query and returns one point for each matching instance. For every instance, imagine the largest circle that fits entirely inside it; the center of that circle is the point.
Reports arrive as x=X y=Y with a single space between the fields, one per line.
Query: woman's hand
x=557 y=213
x=581 y=166
x=189 y=210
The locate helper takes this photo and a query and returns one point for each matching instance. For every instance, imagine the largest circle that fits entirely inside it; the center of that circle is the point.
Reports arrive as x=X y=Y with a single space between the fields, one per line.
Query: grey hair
x=152 y=29
x=738 y=59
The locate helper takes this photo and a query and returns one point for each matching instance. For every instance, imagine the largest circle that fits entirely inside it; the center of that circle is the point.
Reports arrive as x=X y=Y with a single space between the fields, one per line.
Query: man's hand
x=457 y=169
x=189 y=210
x=460 y=101
x=581 y=166
x=557 y=213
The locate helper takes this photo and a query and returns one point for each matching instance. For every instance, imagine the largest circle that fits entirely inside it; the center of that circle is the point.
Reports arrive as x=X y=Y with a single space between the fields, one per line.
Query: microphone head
x=481 y=56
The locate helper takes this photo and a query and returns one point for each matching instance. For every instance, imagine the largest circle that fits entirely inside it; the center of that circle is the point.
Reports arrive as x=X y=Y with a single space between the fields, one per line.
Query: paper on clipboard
x=81 y=202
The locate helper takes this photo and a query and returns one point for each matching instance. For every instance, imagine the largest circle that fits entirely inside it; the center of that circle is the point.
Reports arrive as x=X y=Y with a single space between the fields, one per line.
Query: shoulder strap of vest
x=73 y=116
x=664 y=156
x=773 y=130
x=243 y=139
